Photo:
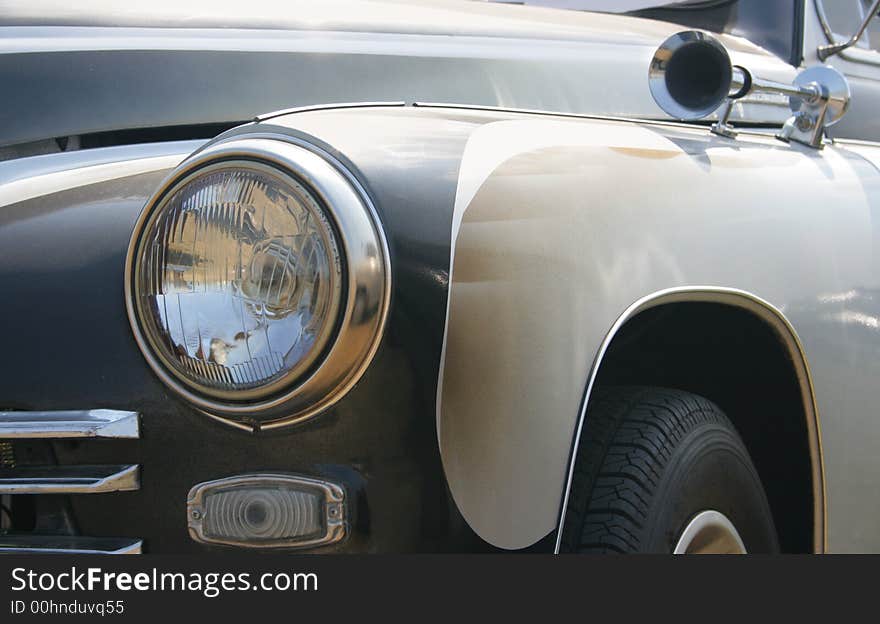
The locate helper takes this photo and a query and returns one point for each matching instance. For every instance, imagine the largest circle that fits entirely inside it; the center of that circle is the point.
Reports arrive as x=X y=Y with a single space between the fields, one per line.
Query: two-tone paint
x=561 y=227
x=81 y=69
x=519 y=244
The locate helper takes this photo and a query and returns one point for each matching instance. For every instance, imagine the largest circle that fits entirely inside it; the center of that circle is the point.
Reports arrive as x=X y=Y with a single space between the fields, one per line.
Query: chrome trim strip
x=534 y=111
x=320 y=107
x=771 y=315
x=96 y=423
x=68 y=545
x=334 y=508
x=292 y=39
x=856 y=142
x=25 y=178
x=753 y=129
x=69 y=479
x=45 y=164
x=854 y=55
x=368 y=267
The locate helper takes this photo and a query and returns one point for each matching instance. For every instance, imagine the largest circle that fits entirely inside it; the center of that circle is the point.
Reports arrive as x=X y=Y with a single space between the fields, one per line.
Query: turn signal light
x=267 y=511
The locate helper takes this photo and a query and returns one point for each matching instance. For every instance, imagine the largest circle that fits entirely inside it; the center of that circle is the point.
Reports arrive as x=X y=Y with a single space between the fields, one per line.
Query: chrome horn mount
x=691 y=76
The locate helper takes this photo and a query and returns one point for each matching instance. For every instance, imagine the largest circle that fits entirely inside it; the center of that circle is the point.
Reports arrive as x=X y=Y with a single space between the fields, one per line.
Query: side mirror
x=831 y=49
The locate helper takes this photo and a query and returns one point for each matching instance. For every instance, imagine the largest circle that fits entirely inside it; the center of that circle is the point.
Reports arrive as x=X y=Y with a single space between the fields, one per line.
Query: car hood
x=76 y=70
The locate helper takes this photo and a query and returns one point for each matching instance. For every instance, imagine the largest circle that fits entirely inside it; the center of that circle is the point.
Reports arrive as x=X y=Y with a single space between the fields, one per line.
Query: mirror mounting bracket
x=831 y=49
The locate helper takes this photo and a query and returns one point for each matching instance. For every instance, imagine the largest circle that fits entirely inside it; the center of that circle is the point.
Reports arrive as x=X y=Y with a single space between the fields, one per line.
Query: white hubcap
x=710 y=533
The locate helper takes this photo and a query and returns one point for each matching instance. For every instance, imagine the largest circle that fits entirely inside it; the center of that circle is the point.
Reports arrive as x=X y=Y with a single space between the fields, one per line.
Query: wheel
x=663 y=471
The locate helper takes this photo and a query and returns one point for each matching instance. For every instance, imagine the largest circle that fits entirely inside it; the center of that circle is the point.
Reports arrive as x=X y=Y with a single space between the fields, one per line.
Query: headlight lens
x=258 y=281
x=239 y=279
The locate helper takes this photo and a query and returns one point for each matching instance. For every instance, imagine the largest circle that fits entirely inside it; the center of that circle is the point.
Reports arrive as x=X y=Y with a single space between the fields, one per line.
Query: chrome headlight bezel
x=365 y=297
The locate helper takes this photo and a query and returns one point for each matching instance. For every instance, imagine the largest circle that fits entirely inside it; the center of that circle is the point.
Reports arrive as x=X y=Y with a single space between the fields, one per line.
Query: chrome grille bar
x=69 y=479
x=68 y=545
x=96 y=423
x=39 y=479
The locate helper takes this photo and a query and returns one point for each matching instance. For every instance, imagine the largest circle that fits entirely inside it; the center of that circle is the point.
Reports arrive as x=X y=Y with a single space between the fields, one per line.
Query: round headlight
x=257 y=279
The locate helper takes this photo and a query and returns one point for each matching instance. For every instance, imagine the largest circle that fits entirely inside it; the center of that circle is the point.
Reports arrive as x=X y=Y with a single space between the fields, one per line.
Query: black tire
x=649 y=460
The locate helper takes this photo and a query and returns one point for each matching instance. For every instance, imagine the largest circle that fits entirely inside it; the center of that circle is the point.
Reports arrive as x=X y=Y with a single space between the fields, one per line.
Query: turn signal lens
x=267 y=511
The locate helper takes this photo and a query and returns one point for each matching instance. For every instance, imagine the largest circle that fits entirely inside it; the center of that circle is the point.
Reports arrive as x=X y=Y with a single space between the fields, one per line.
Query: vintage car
x=493 y=278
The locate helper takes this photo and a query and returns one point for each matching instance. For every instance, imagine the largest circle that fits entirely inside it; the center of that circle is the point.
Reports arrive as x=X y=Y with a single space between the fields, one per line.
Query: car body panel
x=623 y=211
x=75 y=75
x=601 y=202
x=518 y=243
x=525 y=198
x=62 y=255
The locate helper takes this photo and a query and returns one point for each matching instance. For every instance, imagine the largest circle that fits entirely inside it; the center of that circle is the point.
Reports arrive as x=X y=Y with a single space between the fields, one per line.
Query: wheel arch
x=757 y=310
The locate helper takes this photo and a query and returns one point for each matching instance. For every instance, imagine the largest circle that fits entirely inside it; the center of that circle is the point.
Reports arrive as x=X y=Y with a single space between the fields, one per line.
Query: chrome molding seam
x=770 y=315
x=321 y=107
x=367 y=285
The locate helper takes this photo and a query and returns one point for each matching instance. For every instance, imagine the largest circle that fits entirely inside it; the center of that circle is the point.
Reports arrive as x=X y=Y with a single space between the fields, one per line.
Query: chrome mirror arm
x=833 y=48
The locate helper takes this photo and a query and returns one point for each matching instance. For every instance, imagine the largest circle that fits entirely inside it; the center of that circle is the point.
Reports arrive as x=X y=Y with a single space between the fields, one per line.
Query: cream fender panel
x=559 y=226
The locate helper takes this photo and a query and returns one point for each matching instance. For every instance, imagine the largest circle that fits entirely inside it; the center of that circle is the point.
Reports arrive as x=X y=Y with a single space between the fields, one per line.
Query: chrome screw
x=804 y=122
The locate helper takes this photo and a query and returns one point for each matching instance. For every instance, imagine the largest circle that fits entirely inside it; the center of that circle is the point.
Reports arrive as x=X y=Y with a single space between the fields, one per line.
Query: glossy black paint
x=68 y=345
x=59 y=94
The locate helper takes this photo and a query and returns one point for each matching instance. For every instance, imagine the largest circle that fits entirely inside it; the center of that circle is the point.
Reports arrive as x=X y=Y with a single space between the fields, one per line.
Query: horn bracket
x=691 y=77
x=825 y=101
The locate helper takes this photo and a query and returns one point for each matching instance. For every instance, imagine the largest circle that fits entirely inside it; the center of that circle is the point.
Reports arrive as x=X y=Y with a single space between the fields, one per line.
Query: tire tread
x=629 y=436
